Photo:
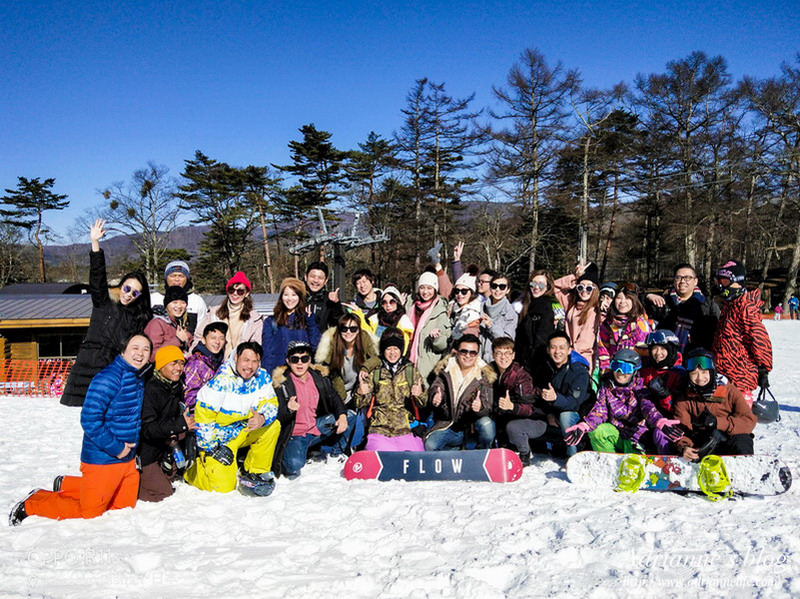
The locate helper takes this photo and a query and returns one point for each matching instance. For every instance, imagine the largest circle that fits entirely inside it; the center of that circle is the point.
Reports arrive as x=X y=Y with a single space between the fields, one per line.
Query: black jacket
x=532 y=333
x=698 y=316
x=325 y=312
x=329 y=403
x=110 y=324
x=162 y=419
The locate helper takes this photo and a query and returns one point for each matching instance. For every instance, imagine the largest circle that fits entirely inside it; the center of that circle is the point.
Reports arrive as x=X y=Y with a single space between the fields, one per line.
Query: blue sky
x=92 y=91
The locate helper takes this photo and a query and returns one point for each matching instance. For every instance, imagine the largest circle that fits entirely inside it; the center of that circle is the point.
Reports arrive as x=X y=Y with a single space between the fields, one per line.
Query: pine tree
x=27 y=203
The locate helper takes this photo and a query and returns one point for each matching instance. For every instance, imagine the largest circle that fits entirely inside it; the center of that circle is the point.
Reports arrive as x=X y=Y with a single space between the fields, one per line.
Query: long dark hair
x=340 y=349
x=629 y=290
x=244 y=315
x=140 y=307
x=527 y=296
x=281 y=312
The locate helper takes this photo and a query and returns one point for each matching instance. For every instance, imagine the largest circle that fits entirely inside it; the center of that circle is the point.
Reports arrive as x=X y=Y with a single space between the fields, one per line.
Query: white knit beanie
x=428 y=278
x=468 y=281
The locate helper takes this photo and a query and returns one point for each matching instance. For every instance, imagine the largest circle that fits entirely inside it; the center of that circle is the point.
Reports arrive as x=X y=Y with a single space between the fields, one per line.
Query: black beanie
x=175 y=293
x=591 y=274
x=392 y=337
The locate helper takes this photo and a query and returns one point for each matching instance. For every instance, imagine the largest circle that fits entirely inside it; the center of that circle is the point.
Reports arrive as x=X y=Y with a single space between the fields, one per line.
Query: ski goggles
x=703 y=362
x=623 y=367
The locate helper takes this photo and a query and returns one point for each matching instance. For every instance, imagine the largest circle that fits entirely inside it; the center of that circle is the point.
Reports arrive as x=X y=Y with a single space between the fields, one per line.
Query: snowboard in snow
x=748 y=474
x=495 y=465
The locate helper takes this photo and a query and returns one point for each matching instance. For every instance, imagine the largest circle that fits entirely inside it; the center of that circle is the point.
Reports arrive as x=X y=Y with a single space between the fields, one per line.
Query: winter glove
x=420 y=431
x=670 y=428
x=706 y=422
x=709 y=446
x=574 y=434
x=223 y=454
x=658 y=387
x=763 y=377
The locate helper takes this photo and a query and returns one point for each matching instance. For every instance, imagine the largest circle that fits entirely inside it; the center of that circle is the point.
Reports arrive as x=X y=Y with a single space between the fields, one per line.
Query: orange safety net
x=41 y=378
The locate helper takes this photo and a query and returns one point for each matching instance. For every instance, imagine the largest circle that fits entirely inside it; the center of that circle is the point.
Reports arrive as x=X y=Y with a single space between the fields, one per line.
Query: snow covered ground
x=321 y=535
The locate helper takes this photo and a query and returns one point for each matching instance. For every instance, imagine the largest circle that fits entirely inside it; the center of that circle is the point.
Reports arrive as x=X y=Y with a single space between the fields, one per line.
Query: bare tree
x=146 y=211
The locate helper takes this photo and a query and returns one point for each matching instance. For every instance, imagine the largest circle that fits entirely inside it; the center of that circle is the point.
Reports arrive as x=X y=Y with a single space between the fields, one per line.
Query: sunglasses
x=484 y=281
x=586 y=288
x=461 y=291
x=305 y=359
x=623 y=367
x=388 y=301
x=134 y=292
x=468 y=352
x=534 y=285
x=703 y=362
x=236 y=290
x=349 y=329
x=501 y=286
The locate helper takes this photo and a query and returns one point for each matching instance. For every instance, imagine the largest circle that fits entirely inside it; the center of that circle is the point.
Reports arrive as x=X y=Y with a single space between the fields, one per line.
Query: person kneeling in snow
x=235 y=409
x=713 y=412
x=310 y=411
x=110 y=417
x=166 y=425
x=390 y=394
x=461 y=396
x=615 y=423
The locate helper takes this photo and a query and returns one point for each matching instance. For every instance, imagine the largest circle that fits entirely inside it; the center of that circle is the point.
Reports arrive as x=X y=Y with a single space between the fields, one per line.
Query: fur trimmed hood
x=280 y=374
x=324 y=351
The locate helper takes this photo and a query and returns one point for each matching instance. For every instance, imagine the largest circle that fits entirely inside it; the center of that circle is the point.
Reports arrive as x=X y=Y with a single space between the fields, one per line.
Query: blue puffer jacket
x=275 y=340
x=112 y=413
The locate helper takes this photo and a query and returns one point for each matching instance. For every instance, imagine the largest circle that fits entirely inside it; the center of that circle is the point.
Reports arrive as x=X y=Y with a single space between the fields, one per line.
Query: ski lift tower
x=340 y=242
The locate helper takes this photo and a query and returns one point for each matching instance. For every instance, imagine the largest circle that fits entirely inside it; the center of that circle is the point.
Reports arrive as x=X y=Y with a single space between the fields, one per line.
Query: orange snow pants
x=100 y=487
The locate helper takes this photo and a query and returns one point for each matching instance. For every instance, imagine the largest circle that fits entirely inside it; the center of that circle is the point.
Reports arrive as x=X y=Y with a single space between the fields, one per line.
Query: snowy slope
x=320 y=535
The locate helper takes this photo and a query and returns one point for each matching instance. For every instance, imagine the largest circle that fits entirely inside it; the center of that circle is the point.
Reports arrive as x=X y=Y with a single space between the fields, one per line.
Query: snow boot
x=256 y=485
x=57 y=482
x=18 y=513
x=525 y=458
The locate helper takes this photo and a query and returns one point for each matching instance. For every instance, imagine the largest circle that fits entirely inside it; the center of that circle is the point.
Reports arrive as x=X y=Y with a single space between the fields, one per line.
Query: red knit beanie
x=239 y=277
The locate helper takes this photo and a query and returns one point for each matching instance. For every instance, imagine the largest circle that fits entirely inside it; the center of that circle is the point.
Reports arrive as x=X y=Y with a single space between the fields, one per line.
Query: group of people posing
x=224 y=397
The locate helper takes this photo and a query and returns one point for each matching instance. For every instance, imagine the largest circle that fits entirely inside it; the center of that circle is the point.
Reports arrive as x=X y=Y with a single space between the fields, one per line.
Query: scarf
x=419 y=317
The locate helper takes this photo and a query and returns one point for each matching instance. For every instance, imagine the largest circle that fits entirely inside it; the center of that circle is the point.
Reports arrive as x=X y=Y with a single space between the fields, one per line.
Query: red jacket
x=741 y=343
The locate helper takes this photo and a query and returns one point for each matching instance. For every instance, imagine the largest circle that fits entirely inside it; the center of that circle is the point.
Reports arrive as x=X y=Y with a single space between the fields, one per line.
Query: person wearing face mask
x=166 y=424
x=742 y=346
x=499 y=319
x=579 y=294
x=685 y=311
x=111 y=418
x=713 y=413
x=289 y=322
x=237 y=311
x=111 y=321
x=391 y=394
x=310 y=412
x=623 y=412
x=204 y=362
